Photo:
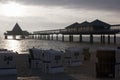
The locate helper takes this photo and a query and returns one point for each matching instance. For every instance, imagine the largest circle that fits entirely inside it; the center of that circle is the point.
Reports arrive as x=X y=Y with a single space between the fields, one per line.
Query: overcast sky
x=55 y=14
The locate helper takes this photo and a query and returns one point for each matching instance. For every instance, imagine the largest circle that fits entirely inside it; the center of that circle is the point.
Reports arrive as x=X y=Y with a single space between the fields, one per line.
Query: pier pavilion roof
x=98 y=23
x=16 y=28
x=84 y=24
x=74 y=25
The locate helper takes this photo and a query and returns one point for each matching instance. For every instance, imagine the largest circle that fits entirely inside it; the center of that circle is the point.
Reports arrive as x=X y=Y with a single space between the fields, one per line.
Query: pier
x=96 y=27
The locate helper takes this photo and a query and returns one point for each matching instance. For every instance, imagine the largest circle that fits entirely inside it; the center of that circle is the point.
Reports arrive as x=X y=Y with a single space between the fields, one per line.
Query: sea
x=23 y=45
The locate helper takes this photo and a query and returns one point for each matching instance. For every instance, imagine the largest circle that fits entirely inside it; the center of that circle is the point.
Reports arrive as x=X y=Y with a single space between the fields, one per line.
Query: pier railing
x=45 y=32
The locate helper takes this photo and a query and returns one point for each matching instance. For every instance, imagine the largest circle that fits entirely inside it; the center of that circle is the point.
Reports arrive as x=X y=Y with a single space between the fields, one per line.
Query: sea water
x=25 y=44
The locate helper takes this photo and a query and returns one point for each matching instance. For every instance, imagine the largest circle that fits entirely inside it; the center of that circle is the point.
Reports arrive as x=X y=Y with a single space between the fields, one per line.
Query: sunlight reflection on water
x=13 y=45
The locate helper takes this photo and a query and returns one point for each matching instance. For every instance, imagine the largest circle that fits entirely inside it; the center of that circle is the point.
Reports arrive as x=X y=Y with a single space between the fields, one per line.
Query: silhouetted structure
x=16 y=31
x=87 y=26
x=96 y=27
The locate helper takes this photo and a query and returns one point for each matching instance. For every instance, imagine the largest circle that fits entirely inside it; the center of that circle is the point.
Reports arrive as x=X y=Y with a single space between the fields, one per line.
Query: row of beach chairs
x=53 y=61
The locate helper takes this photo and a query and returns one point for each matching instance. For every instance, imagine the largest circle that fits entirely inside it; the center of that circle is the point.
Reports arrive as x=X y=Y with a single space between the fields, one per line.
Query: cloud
x=111 y=5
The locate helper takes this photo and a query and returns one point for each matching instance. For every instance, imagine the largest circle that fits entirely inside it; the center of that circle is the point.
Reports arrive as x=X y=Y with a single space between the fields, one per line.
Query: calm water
x=24 y=45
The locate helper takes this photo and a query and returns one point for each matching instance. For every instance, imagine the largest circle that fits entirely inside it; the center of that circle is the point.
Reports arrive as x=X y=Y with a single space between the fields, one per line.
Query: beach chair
x=8 y=64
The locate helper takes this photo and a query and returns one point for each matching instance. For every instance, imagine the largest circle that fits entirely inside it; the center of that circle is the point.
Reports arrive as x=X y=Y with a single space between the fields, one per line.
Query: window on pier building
x=90 y=28
x=84 y=26
x=72 y=27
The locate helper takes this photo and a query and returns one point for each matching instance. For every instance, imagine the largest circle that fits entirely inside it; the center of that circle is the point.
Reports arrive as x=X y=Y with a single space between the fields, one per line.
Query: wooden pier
x=96 y=27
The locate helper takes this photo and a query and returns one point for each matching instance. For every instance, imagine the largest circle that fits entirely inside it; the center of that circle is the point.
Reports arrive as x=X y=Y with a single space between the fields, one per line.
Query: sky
x=37 y=15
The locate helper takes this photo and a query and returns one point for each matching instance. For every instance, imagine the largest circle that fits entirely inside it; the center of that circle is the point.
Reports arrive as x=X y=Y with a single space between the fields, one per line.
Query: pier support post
x=38 y=36
x=71 y=38
x=44 y=37
x=103 y=39
x=57 y=37
x=14 y=36
x=48 y=37
x=63 y=37
x=32 y=36
x=108 y=38
x=114 y=38
x=6 y=37
x=22 y=36
x=91 y=38
x=80 y=38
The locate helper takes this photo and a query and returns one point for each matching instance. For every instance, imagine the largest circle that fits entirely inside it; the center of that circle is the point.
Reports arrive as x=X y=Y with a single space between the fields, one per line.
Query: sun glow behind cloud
x=42 y=17
x=12 y=9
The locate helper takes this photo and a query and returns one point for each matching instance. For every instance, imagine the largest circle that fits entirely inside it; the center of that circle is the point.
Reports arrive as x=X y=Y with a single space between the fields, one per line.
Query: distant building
x=88 y=26
x=16 y=31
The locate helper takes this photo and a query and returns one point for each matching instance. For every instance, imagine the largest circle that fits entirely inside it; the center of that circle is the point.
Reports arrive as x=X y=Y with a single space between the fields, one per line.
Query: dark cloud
x=75 y=4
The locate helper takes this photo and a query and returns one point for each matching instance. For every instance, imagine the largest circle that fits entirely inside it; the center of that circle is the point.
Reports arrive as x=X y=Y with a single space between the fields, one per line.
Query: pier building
x=16 y=31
